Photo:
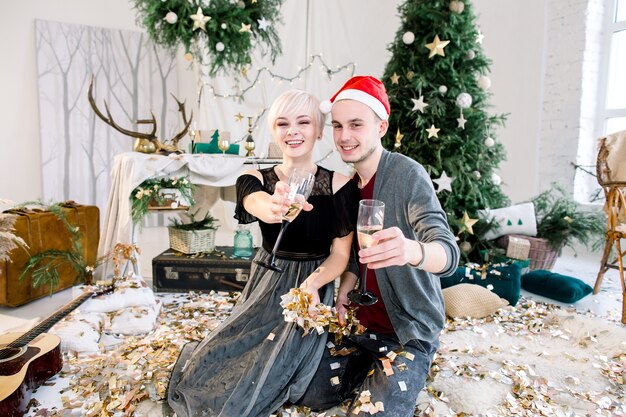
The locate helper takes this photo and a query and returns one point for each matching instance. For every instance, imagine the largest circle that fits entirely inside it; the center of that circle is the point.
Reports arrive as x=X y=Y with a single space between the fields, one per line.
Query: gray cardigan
x=413 y=297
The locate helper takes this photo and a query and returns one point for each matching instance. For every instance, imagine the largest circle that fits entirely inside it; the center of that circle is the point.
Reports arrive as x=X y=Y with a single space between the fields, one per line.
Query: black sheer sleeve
x=246 y=185
x=346 y=207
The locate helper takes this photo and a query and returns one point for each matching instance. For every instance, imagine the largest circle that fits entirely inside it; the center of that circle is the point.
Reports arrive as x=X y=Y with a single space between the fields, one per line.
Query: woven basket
x=541 y=255
x=192 y=241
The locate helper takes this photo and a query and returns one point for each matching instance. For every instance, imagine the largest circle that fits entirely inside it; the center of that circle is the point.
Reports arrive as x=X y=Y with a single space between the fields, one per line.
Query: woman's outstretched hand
x=279 y=202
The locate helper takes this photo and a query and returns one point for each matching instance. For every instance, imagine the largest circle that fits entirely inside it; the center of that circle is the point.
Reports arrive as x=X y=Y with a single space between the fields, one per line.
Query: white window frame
x=603 y=113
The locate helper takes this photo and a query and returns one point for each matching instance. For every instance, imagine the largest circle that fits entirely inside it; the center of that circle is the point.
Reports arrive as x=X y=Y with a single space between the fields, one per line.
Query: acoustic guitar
x=29 y=359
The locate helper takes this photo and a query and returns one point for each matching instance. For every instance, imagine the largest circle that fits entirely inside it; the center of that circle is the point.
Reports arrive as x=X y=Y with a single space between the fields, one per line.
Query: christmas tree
x=438 y=88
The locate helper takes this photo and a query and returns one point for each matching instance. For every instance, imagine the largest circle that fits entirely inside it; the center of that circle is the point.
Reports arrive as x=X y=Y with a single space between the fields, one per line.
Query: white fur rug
x=533 y=360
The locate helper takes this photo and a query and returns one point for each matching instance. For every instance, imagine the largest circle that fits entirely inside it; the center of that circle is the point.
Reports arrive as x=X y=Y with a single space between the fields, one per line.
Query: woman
x=255 y=361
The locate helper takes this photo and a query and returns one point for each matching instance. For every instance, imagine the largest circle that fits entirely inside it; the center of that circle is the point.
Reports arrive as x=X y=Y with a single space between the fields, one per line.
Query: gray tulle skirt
x=254 y=361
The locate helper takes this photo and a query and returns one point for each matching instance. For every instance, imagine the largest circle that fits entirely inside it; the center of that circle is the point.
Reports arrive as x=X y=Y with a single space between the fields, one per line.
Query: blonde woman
x=255 y=361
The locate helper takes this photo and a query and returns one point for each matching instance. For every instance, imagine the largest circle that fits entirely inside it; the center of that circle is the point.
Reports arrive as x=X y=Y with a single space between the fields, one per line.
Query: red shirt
x=374 y=317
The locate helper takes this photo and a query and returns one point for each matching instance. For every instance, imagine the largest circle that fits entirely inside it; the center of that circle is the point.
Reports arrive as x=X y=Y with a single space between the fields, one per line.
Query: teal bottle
x=243 y=243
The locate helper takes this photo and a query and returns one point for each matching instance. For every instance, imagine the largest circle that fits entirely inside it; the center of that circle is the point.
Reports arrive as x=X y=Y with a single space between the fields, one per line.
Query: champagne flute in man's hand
x=300 y=186
x=370 y=220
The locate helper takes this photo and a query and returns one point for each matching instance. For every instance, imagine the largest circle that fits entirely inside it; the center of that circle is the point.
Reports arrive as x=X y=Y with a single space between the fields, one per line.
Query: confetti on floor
x=532 y=360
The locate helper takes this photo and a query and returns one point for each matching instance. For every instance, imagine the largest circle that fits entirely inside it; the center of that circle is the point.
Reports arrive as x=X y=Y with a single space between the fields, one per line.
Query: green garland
x=148 y=191
x=224 y=44
x=43 y=267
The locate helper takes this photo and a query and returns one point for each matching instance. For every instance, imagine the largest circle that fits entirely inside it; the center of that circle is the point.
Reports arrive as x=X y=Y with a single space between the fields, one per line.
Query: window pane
x=616 y=87
x=615 y=124
x=620 y=14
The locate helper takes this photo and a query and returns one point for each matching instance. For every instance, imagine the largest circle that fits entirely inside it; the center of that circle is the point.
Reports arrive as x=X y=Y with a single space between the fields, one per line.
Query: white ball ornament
x=219 y=47
x=476 y=175
x=489 y=142
x=471 y=55
x=408 y=38
x=171 y=18
x=484 y=82
x=241 y=4
x=223 y=26
x=464 y=100
x=443 y=89
x=456 y=6
x=465 y=247
x=495 y=179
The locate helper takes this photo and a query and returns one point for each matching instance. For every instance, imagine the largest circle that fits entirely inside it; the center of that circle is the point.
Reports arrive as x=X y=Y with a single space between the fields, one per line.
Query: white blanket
x=132 y=168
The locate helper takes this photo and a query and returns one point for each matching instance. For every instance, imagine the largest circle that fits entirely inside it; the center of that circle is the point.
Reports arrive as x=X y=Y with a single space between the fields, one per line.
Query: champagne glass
x=223 y=144
x=300 y=186
x=370 y=220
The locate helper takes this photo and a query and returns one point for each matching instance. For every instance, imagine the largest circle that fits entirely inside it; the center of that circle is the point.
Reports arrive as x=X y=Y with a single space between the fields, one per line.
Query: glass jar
x=243 y=242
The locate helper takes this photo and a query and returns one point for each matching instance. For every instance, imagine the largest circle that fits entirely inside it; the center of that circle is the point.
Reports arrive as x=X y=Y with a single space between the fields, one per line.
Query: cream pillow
x=470 y=300
x=518 y=219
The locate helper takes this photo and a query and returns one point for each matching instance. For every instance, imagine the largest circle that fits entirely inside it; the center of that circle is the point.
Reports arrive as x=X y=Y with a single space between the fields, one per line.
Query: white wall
x=20 y=172
x=516 y=40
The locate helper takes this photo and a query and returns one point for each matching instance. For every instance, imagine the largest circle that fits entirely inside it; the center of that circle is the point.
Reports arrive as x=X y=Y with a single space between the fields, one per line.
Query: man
x=391 y=360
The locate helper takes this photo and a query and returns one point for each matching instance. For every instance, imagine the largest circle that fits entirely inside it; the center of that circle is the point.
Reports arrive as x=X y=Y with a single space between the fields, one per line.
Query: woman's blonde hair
x=295 y=103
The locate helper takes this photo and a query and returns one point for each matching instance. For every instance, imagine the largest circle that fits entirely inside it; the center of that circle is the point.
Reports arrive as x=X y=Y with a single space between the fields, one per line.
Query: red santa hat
x=365 y=89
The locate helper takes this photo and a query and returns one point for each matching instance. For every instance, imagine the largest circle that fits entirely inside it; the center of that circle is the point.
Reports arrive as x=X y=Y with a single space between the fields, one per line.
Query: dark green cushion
x=505 y=280
x=556 y=286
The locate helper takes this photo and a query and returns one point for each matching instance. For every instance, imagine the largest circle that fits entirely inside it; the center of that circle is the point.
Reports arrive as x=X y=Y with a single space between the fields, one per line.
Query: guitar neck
x=46 y=324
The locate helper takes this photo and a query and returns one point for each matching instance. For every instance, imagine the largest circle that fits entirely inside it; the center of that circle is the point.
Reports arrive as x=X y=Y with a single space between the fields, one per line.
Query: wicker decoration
x=192 y=241
x=541 y=255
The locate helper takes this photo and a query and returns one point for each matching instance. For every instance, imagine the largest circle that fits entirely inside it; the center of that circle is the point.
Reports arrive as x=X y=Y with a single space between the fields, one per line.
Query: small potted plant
x=161 y=193
x=193 y=235
x=561 y=222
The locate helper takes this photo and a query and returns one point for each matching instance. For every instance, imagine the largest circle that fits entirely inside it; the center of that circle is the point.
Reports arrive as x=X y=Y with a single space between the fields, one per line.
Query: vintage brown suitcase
x=174 y=271
x=43 y=230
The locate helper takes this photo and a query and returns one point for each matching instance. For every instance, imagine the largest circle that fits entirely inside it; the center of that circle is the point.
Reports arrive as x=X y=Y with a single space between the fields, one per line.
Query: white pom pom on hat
x=365 y=89
x=326 y=106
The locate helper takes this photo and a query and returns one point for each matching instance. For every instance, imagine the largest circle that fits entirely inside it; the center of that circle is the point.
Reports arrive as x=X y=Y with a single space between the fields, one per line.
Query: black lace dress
x=255 y=361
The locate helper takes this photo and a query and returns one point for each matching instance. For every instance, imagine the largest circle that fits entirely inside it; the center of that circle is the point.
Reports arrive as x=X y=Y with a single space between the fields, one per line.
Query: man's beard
x=363 y=157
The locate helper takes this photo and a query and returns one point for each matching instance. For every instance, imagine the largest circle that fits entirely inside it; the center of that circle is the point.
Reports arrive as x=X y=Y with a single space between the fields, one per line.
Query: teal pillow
x=505 y=280
x=556 y=286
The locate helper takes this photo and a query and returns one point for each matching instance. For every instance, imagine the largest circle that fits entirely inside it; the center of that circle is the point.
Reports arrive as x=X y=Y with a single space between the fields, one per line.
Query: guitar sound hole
x=7 y=354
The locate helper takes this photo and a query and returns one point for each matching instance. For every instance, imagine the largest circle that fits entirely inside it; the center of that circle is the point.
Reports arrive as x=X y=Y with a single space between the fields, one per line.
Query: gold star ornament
x=245 y=28
x=399 y=137
x=467 y=224
x=239 y=117
x=436 y=47
x=199 y=20
x=395 y=78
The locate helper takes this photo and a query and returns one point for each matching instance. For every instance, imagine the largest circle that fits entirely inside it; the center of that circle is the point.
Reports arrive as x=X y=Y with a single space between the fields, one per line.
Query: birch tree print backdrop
x=131 y=74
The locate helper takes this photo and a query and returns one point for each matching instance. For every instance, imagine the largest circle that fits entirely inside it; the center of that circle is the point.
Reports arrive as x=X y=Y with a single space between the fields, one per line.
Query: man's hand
x=341 y=306
x=392 y=248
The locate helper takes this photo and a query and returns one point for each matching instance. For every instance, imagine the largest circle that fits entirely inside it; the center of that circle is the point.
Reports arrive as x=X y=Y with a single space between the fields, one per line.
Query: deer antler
x=109 y=120
x=151 y=136
x=181 y=109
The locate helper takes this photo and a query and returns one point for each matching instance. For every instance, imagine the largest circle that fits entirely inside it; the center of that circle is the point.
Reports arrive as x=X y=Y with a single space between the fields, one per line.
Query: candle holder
x=192 y=134
x=249 y=145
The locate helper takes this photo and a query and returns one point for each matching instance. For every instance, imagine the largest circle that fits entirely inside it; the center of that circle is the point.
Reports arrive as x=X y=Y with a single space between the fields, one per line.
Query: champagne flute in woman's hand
x=370 y=220
x=300 y=186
